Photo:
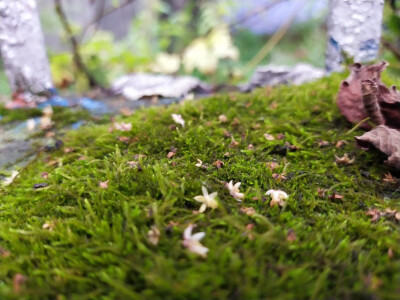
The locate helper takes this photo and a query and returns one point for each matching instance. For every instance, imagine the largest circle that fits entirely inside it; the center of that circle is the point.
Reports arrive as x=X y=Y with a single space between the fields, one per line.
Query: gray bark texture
x=354 y=27
x=22 y=47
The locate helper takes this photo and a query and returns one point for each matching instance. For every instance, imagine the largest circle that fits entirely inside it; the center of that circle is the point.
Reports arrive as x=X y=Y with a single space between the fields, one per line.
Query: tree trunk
x=22 y=47
x=354 y=29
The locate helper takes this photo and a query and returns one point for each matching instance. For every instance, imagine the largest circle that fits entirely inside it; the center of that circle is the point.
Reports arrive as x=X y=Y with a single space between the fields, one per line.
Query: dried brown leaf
x=385 y=139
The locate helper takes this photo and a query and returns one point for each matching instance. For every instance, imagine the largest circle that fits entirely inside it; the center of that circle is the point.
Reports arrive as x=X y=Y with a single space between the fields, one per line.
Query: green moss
x=99 y=247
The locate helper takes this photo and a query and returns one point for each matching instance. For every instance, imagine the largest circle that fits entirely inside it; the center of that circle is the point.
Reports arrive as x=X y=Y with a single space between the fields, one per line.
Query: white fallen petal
x=9 y=180
x=178 y=119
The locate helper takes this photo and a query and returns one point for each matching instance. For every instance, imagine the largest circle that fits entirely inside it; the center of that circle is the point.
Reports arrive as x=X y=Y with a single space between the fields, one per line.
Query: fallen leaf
x=340 y=143
x=250 y=147
x=272 y=165
x=388 y=177
x=171 y=154
x=223 y=119
x=322 y=143
x=390 y=252
x=153 y=235
x=279 y=177
x=49 y=226
x=68 y=150
x=235 y=122
x=336 y=196
x=219 y=164
x=233 y=143
x=103 y=184
x=18 y=281
x=291 y=235
x=122 y=126
x=269 y=137
x=248 y=210
x=385 y=139
x=350 y=96
x=4 y=253
x=37 y=186
x=344 y=160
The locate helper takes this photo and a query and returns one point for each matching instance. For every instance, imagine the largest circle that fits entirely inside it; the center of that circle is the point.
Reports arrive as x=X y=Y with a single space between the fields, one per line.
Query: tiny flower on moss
x=178 y=119
x=344 y=160
x=192 y=241
x=234 y=190
x=277 y=197
x=208 y=200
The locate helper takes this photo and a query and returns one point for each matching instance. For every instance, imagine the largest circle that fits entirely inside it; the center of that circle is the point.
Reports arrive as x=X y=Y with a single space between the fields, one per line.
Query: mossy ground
x=99 y=248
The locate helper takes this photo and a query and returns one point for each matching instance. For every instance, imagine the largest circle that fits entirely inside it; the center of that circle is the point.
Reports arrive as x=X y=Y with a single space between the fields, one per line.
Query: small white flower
x=208 y=200
x=234 y=190
x=9 y=180
x=192 y=242
x=277 y=197
x=178 y=119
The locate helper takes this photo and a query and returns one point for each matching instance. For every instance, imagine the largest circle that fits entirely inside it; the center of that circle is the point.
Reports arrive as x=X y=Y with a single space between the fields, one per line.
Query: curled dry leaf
x=269 y=137
x=344 y=160
x=279 y=177
x=248 y=210
x=49 y=226
x=385 y=139
x=272 y=165
x=390 y=179
x=223 y=118
x=233 y=143
x=171 y=154
x=219 y=164
x=291 y=235
x=153 y=235
x=103 y=184
x=18 y=282
x=355 y=108
x=322 y=143
x=122 y=126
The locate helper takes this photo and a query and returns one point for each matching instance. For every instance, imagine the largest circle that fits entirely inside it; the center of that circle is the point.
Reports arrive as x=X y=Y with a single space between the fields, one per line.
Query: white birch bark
x=22 y=47
x=354 y=27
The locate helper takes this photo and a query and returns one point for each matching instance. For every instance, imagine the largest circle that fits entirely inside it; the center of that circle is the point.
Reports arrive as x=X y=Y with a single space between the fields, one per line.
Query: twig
x=391 y=47
x=75 y=47
x=102 y=15
x=271 y=43
x=255 y=13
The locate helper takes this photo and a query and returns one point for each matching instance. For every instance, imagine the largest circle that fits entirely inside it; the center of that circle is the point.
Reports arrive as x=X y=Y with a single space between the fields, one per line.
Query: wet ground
x=19 y=145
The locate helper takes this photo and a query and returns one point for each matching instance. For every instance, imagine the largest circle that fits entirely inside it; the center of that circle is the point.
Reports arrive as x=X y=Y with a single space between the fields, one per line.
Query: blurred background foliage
x=213 y=40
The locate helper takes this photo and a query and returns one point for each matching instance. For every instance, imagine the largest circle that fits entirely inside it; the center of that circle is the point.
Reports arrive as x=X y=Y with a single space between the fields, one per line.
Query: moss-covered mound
x=73 y=239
